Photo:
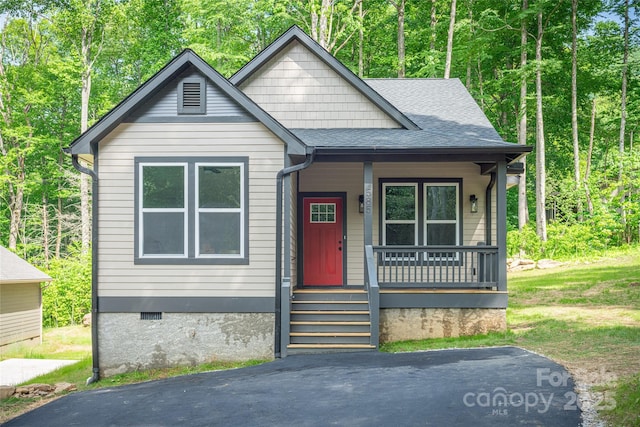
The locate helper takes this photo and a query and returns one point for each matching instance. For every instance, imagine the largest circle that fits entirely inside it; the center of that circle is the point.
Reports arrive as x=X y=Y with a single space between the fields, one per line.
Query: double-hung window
x=191 y=211
x=421 y=212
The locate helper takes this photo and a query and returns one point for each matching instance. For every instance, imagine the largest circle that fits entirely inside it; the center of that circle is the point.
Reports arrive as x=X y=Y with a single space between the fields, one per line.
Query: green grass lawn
x=584 y=316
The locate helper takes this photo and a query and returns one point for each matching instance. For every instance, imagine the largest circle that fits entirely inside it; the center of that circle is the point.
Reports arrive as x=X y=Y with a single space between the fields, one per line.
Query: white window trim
x=143 y=210
x=199 y=210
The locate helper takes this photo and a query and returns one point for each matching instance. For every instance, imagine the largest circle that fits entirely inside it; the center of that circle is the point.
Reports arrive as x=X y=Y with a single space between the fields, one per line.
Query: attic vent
x=147 y=315
x=191 y=96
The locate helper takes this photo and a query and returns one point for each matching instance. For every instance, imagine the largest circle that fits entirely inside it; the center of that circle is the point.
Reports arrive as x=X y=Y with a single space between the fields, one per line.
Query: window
x=400 y=214
x=163 y=216
x=421 y=212
x=192 y=211
x=192 y=96
x=322 y=213
x=441 y=214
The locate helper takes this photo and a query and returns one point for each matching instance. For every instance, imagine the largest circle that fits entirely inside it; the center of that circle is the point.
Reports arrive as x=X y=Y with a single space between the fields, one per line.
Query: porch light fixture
x=361 y=203
x=474 y=203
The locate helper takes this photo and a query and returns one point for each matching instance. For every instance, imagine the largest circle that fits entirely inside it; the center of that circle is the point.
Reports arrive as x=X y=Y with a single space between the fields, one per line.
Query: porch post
x=371 y=279
x=501 y=223
x=368 y=203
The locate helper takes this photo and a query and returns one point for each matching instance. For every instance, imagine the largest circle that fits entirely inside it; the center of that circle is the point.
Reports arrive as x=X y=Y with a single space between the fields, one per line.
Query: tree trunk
x=401 y=48
x=452 y=24
x=623 y=119
x=45 y=230
x=523 y=208
x=574 y=103
x=59 y=228
x=84 y=179
x=541 y=175
x=574 y=92
x=323 y=24
x=472 y=31
x=361 y=42
x=587 y=171
x=623 y=97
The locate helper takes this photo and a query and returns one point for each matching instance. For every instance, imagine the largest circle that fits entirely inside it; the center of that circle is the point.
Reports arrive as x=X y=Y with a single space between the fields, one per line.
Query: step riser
x=293 y=351
x=323 y=296
x=320 y=306
x=329 y=328
x=320 y=317
x=330 y=340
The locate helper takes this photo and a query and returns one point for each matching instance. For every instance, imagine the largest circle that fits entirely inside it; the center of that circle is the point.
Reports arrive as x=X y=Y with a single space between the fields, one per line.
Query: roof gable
x=14 y=269
x=152 y=87
x=308 y=79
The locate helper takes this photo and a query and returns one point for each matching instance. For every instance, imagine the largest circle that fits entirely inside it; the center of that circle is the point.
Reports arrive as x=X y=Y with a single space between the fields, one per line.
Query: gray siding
x=164 y=105
x=119 y=277
x=301 y=91
x=20 y=312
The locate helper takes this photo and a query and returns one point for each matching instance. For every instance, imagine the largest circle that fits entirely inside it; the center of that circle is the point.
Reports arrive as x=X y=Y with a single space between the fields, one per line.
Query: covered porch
x=400 y=281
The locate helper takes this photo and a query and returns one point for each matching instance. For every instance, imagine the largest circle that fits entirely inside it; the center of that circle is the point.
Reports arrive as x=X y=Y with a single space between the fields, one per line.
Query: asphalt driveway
x=480 y=387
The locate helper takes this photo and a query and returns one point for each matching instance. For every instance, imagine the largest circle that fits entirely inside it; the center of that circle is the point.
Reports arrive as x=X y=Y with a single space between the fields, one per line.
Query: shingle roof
x=14 y=269
x=447 y=114
x=442 y=106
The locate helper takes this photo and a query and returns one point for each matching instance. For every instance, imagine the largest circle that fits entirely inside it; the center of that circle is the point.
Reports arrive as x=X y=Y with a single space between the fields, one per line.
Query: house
x=20 y=300
x=291 y=208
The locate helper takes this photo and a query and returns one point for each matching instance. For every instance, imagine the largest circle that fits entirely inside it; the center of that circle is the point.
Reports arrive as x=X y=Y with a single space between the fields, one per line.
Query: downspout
x=488 y=231
x=279 y=196
x=94 y=264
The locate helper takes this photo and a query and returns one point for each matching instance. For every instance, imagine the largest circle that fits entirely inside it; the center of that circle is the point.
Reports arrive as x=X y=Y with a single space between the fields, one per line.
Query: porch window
x=429 y=217
x=191 y=211
x=400 y=213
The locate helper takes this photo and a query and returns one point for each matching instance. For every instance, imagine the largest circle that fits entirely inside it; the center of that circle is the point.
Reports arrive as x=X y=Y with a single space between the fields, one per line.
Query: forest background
x=560 y=75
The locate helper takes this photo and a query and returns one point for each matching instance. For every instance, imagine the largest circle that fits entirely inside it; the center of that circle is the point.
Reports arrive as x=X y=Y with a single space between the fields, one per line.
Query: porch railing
x=373 y=294
x=449 y=267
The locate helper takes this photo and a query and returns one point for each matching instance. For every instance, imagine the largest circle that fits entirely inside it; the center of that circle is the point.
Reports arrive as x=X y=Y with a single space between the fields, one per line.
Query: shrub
x=68 y=297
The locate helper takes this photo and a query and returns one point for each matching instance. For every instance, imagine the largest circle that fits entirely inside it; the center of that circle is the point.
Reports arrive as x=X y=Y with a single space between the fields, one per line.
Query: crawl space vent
x=150 y=315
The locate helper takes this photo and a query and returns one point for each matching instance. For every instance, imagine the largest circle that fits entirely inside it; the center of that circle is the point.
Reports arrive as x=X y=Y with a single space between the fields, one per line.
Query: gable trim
x=297 y=34
x=193 y=119
x=117 y=115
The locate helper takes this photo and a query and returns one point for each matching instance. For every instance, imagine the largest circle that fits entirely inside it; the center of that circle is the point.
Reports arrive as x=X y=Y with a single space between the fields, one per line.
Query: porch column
x=368 y=203
x=501 y=223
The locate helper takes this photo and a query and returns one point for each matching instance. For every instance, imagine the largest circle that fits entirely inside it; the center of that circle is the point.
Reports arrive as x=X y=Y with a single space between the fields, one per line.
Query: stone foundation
x=399 y=324
x=127 y=343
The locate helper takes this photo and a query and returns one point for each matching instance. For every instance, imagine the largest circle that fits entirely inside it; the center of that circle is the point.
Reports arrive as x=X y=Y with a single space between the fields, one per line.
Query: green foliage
x=627 y=401
x=68 y=297
x=565 y=241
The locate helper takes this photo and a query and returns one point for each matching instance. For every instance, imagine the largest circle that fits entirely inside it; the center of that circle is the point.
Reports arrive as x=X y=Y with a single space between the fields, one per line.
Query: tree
x=541 y=173
x=399 y=5
x=523 y=208
x=452 y=25
x=574 y=94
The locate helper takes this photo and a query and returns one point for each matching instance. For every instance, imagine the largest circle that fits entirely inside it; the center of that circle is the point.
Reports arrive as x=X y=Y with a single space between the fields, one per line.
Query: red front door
x=322 y=241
